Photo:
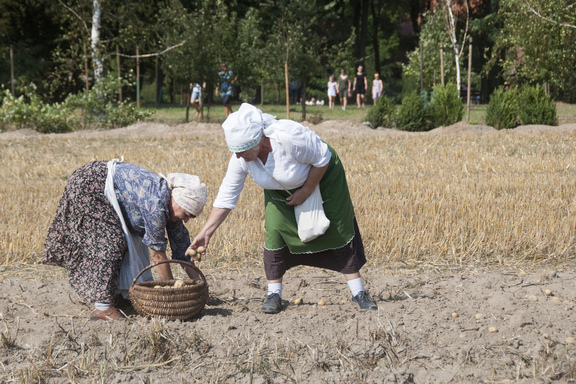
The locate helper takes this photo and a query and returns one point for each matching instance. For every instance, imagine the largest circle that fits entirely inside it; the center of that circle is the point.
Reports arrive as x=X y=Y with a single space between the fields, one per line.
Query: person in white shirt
x=288 y=161
x=332 y=91
x=196 y=96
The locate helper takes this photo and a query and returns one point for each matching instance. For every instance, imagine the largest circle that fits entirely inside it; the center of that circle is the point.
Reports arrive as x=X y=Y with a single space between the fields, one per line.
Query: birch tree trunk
x=95 y=38
x=451 y=27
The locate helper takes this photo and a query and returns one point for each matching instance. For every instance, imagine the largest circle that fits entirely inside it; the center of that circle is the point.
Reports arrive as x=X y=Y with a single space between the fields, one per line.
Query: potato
x=556 y=300
x=200 y=249
x=548 y=292
x=321 y=303
x=493 y=329
x=298 y=301
x=479 y=316
x=179 y=284
x=533 y=298
x=455 y=315
x=157 y=286
x=191 y=252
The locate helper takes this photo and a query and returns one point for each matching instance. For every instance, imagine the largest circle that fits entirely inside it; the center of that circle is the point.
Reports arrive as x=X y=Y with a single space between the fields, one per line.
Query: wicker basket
x=170 y=303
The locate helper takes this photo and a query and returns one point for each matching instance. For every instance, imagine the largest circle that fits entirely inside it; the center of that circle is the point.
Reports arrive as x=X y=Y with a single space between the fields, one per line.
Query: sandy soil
x=433 y=325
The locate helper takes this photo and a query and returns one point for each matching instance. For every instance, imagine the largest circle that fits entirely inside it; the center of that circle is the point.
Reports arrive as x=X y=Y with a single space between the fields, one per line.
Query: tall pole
x=119 y=74
x=421 y=69
x=442 y=63
x=469 y=81
x=86 y=74
x=287 y=91
x=137 y=78
x=157 y=83
x=12 y=88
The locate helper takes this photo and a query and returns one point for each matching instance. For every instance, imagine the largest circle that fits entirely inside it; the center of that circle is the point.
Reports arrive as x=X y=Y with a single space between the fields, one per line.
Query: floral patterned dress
x=86 y=236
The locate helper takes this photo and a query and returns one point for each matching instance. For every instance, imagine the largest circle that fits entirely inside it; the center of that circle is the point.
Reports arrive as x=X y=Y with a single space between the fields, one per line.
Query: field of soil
x=435 y=323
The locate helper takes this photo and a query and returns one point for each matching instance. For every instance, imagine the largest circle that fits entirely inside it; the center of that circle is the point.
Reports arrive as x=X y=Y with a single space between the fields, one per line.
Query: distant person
x=377 y=87
x=196 y=96
x=311 y=101
x=225 y=84
x=344 y=88
x=294 y=91
x=360 y=86
x=332 y=91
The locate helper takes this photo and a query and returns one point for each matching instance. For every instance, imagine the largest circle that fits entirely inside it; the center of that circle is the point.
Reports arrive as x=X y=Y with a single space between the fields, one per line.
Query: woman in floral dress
x=108 y=208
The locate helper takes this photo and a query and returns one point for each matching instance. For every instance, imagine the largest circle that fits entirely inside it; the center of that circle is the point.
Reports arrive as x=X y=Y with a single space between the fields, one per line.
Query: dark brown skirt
x=348 y=259
x=86 y=235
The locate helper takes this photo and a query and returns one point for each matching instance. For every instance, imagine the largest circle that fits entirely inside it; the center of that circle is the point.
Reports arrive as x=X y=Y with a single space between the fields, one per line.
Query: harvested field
x=466 y=230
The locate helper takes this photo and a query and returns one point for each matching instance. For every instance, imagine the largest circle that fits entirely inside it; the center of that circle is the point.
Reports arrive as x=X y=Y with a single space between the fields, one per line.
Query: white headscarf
x=244 y=129
x=188 y=192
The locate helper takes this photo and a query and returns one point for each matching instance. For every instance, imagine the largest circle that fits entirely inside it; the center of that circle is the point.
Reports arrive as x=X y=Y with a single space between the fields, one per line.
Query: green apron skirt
x=281 y=227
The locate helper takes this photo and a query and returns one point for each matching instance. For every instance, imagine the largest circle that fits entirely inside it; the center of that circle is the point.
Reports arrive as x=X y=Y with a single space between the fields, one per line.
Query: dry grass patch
x=419 y=198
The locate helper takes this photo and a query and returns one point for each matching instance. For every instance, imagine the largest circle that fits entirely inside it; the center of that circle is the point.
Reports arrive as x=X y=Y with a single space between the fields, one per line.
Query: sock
x=102 y=306
x=275 y=288
x=355 y=286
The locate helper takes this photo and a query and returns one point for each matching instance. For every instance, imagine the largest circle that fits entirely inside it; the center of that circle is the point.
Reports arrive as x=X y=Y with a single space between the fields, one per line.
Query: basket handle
x=186 y=263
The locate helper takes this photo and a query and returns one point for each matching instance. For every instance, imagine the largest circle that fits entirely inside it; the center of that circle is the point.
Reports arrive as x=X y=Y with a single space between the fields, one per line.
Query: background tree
x=538 y=44
x=457 y=17
x=433 y=36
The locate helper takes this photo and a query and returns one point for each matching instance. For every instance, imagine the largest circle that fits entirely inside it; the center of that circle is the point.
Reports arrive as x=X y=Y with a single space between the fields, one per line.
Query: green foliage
x=412 y=114
x=446 y=107
x=383 y=113
x=29 y=111
x=502 y=111
x=81 y=110
x=538 y=42
x=536 y=107
x=98 y=106
x=432 y=36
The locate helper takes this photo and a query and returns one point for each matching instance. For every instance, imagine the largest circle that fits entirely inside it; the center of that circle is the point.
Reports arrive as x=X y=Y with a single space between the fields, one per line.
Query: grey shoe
x=364 y=302
x=272 y=304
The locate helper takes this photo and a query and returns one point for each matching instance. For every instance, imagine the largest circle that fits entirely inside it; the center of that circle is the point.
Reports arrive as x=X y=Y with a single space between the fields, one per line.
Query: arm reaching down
x=216 y=217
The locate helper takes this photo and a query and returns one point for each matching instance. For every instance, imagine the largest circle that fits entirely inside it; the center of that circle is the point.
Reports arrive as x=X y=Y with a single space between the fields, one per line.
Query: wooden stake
x=287 y=91
x=469 y=81
x=442 y=64
x=137 y=78
x=86 y=74
x=12 y=82
x=119 y=75
x=421 y=68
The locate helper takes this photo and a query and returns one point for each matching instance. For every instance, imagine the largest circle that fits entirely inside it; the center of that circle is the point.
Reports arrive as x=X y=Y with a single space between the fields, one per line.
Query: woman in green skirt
x=288 y=161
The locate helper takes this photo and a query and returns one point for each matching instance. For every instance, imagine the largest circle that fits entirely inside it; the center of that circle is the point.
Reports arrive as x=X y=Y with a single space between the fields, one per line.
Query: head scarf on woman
x=243 y=129
x=188 y=192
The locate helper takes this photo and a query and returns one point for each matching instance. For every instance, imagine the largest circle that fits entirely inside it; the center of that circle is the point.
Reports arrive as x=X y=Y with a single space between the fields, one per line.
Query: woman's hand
x=201 y=240
x=314 y=176
x=298 y=197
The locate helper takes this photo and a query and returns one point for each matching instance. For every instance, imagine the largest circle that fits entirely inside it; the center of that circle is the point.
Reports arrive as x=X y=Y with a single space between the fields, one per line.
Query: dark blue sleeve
x=179 y=238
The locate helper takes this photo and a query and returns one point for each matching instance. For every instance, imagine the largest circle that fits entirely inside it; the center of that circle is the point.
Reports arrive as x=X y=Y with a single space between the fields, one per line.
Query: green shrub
x=383 y=114
x=52 y=118
x=82 y=110
x=536 y=107
x=502 y=110
x=13 y=111
x=98 y=107
x=446 y=107
x=29 y=111
x=412 y=114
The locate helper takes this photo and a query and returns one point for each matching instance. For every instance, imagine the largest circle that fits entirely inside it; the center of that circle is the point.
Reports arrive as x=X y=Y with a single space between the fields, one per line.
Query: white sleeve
x=232 y=185
x=308 y=148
